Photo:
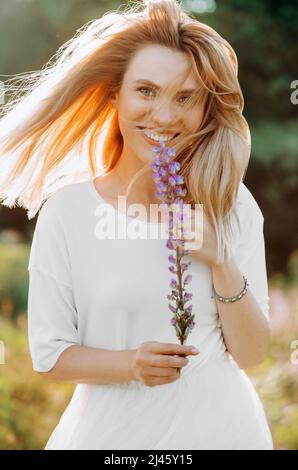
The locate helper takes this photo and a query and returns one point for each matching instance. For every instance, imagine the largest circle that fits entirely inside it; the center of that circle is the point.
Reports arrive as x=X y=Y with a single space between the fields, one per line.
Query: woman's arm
x=80 y=364
x=153 y=363
x=245 y=328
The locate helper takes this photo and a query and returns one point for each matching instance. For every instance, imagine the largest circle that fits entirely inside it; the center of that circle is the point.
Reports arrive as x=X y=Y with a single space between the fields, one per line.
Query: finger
x=194 y=245
x=170 y=348
x=167 y=361
x=160 y=371
x=195 y=222
x=154 y=381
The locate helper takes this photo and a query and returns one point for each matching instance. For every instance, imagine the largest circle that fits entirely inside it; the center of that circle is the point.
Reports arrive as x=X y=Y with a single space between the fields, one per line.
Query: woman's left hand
x=202 y=240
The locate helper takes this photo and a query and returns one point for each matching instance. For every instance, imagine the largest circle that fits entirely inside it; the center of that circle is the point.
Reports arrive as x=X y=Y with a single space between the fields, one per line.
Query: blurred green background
x=264 y=35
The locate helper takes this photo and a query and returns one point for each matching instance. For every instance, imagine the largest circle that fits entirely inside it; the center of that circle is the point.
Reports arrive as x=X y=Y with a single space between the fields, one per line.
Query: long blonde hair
x=56 y=113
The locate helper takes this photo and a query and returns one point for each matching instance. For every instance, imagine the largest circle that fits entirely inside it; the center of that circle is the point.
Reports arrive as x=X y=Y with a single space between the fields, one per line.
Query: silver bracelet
x=232 y=299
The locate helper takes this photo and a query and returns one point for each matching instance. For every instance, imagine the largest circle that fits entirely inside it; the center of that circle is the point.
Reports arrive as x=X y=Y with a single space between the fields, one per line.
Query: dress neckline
x=99 y=198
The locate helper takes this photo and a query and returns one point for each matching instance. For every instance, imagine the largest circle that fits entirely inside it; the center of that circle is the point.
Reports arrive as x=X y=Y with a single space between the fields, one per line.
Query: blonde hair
x=57 y=112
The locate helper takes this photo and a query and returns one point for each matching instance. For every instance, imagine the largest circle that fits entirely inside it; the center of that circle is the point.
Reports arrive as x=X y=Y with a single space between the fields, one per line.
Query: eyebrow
x=148 y=82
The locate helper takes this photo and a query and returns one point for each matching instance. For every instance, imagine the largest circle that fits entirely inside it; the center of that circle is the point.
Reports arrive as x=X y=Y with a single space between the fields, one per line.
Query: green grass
x=30 y=406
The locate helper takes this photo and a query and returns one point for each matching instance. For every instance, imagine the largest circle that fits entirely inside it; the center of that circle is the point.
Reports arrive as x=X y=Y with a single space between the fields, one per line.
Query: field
x=30 y=406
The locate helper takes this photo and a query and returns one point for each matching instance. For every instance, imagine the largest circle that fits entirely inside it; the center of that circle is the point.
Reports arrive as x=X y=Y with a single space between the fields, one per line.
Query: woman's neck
x=142 y=190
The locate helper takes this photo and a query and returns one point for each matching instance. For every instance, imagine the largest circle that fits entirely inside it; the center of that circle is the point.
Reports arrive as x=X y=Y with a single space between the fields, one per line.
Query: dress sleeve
x=250 y=255
x=52 y=315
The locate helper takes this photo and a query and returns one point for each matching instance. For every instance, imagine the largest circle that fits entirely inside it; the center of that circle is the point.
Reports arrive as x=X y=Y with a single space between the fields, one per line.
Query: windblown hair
x=56 y=116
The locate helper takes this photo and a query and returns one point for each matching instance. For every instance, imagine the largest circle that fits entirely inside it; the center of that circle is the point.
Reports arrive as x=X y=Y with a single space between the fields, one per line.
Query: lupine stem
x=169 y=185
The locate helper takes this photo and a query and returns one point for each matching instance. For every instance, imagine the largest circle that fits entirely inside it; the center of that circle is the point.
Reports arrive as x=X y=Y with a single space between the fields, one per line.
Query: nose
x=163 y=116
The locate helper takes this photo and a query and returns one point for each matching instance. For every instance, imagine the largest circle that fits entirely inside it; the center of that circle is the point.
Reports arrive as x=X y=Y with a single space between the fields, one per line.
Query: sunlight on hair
x=59 y=126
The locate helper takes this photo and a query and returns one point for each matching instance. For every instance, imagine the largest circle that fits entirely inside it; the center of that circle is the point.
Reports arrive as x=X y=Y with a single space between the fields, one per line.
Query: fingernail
x=195 y=350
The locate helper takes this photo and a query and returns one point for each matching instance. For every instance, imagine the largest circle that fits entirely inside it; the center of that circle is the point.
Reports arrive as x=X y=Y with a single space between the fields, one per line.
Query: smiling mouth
x=156 y=141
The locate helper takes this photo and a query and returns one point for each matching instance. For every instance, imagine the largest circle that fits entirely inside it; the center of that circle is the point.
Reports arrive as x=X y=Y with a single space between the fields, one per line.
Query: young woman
x=97 y=306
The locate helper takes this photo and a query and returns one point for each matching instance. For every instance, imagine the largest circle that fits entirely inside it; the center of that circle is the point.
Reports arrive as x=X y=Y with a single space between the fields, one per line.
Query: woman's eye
x=184 y=97
x=146 y=89
x=141 y=89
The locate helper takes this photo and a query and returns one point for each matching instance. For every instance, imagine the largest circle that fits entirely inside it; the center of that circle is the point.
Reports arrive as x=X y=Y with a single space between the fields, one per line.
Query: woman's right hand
x=156 y=363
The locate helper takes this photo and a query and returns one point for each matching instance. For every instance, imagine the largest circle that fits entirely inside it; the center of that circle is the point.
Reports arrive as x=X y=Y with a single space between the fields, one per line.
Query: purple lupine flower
x=181 y=192
x=172 y=259
x=173 y=167
x=184 y=266
x=160 y=193
x=172 y=181
x=163 y=172
x=187 y=279
x=187 y=296
x=170 y=245
x=171 y=296
x=161 y=186
x=154 y=166
x=188 y=309
x=156 y=177
x=170 y=191
x=172 y=308
x=179 y=179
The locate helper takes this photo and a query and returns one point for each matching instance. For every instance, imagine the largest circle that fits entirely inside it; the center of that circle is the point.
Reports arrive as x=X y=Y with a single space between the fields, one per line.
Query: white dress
x=112 y=293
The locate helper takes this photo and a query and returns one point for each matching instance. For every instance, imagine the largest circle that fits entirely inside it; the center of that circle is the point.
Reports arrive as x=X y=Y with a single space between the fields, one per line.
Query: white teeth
x=157 y=137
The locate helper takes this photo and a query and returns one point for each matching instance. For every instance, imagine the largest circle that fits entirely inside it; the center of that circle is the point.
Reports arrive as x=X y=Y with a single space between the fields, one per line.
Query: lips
x=155 y=141
x=150 y=141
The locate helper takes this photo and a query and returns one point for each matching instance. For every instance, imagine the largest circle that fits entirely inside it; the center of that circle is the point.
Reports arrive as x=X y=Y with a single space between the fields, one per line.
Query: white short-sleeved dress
x=111 y=293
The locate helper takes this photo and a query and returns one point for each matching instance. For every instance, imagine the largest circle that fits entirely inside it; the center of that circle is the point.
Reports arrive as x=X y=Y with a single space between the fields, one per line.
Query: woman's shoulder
x=246 y=203
x=247 y=218
x=65 y=200
x=247 y=222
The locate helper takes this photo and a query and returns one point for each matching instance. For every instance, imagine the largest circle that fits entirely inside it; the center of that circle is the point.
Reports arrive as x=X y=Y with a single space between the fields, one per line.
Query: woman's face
x=161 y=66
